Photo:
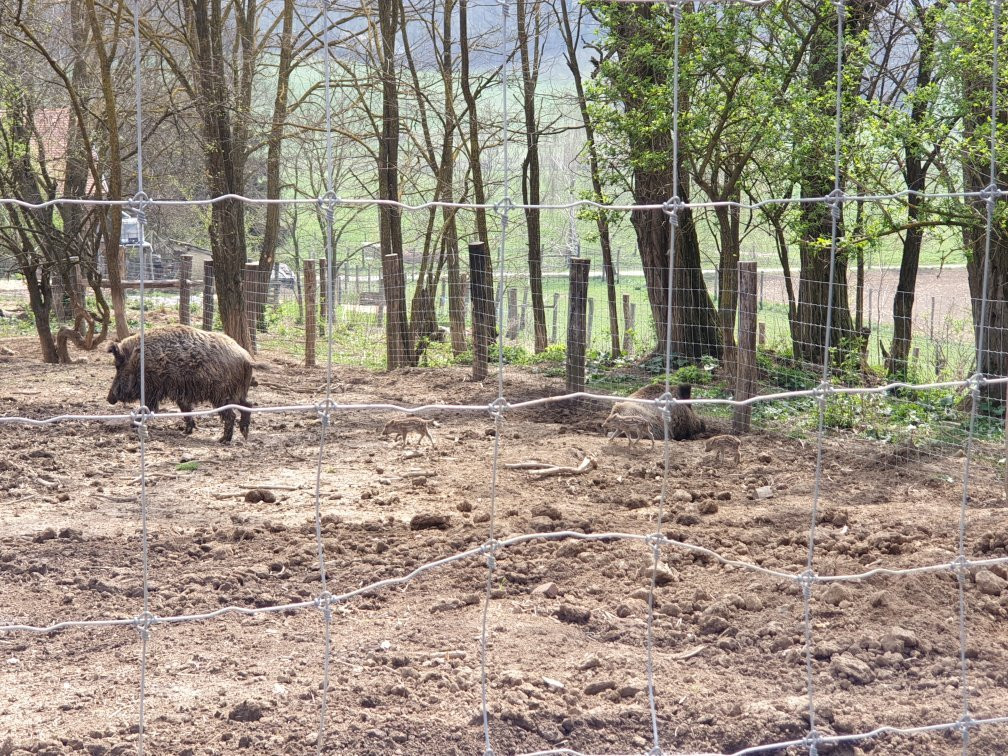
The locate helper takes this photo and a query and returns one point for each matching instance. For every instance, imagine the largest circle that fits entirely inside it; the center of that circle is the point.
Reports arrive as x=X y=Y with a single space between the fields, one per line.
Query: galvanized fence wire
x=673 y=207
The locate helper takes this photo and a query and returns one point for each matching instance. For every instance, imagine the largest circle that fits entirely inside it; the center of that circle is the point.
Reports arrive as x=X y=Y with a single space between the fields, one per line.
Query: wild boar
x=189 y=367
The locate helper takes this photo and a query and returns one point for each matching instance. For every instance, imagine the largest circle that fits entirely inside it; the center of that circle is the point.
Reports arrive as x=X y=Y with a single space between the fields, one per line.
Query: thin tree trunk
x=398 y=349
x=601 y=217
x=530 y=167
x=274 y=150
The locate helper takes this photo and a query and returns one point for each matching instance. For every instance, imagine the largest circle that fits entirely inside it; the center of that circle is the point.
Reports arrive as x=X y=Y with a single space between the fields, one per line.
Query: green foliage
x=191 y=466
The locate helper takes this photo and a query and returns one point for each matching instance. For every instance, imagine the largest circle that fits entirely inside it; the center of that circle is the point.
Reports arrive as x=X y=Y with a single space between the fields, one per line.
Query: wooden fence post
x=512 y=314
x=208 y=295
x=310 y=300
x=627 y=325
x=251 y=287
x=745 y=357
x=628 y=348
x=322 y=289
x=556 y=309
x=184 y=272
x=576 y=321
x=482 y=307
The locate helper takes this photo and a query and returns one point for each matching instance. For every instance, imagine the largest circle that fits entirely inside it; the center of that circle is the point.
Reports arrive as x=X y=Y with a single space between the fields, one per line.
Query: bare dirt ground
x=567 y=620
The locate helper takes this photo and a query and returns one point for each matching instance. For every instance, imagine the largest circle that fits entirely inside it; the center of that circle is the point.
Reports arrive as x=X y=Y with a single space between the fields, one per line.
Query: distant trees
x=415 y=89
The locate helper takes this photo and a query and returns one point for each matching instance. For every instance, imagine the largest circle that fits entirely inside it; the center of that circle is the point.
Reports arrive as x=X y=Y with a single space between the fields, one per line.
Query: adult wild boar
x=189 y=367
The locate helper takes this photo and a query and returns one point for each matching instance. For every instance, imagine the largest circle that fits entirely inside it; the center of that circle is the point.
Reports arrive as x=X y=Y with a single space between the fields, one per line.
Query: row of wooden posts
x=484 y=316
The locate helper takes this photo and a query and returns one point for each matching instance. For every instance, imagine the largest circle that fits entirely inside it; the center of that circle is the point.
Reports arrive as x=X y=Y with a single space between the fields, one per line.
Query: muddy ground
x=567 y=620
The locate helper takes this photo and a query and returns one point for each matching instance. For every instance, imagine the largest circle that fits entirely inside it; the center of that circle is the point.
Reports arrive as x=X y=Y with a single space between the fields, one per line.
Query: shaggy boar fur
x=683 y=421
x=188 y=367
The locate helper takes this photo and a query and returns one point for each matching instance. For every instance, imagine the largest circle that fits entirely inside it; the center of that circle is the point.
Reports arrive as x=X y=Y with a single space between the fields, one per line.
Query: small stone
x=707 y=507
x=187 y=457
x=764 y=458
x=723 y=496
x=7 y=351
x=852 y=668
x=547 y=510
x=549 y=590
x=246 y=711
x=573 y=614
x=542 y=525
x=835 y=594
x=46 y=535
x=989 y=583
x=253 y=496
x=681 y=495
x=663 y=574
x=591 y=661
x=427 y=521
x=764 y=492
x=599 y=686
x=419 y=481
x=629 y=691
x=552 y=684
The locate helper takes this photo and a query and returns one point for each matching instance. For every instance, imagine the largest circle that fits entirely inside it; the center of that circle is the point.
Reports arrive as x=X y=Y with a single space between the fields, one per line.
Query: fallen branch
x=547 y=470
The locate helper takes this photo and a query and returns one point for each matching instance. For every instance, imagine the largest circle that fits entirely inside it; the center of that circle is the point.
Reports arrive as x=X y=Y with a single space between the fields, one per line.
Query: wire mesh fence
x=819 y=360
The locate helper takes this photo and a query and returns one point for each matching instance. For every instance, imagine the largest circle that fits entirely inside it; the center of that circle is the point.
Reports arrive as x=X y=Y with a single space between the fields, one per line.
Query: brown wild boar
x=189 y=367
x=683 y=421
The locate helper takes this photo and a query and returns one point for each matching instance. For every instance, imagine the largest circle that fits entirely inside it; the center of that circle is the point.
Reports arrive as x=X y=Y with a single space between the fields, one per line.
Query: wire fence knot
x=328 y=202
x=503 y=207
x=675 y=6
x=836 y=197
x=138 y=205
x=142 y=622
x=324 y=409
x=324 y=601
x=672 y=207
x=961 y=565
x=822 y=391
x=498 y=407
x=805 y=579
x=990 y=194
x=139 y=419
x=665 y=403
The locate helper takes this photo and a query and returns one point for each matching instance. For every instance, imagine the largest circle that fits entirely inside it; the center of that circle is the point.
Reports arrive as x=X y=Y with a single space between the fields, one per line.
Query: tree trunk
x=601 y=217
x=224 y=163
x=695 y=329
x=479 y=189
x=40 y=301
x=398 y=349
x=274 y=151
x=728 y=260
x=530 y=167
x=817 y=180
x=915 y=172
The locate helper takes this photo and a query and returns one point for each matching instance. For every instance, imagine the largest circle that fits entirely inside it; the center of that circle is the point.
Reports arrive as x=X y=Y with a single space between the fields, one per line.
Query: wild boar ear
x=116 y=352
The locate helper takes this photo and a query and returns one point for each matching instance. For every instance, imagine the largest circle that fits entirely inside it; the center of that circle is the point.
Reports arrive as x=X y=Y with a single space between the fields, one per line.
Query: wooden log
x=576 y=322
x=208 y=295
x=184 y=272
x=310 y=308
x=745 y=362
